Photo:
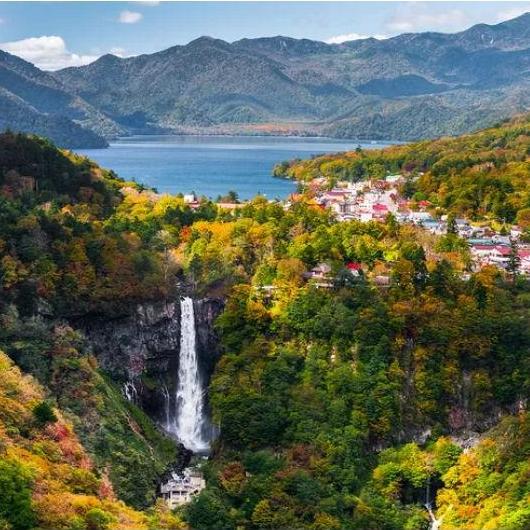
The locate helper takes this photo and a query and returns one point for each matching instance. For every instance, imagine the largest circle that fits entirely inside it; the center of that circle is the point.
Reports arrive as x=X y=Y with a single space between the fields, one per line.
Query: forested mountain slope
x=341 y=405
x=316 y=382
x=59 y=261
x=47 y=478
x=34 y=101
x=407 y=87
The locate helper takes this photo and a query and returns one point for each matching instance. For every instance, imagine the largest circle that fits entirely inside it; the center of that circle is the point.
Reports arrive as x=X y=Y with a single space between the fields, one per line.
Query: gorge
x=116 y=303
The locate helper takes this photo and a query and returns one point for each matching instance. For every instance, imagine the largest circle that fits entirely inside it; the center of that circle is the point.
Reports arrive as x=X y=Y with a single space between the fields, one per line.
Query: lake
x=213 y=165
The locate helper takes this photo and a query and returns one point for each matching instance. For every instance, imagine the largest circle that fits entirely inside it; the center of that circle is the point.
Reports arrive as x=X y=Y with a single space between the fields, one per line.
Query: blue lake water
x=213 y=165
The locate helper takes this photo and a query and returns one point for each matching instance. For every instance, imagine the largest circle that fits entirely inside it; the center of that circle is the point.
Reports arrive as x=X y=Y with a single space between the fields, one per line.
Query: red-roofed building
x=354 y=267
x=491 y=255
x=379 y=211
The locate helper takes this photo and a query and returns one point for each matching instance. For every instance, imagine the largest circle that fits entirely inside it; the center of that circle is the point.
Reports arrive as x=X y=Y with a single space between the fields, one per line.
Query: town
x=375 y=199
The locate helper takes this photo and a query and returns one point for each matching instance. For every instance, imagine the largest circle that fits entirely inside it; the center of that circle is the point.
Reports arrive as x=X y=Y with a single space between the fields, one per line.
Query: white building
x=180 y=489
x=394 y=179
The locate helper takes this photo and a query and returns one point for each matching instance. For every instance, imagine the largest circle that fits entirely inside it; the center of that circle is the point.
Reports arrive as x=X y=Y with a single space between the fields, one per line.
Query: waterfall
x=167 y=406
x=436 y=523
x=188 y=422
x=129 y=391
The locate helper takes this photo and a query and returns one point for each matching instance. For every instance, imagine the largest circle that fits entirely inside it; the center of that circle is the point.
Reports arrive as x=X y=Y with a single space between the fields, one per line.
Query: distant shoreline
x=122 y=140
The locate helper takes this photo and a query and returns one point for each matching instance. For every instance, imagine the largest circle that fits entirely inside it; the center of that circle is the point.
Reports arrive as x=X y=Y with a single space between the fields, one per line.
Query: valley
x=341 y=372
x=251 y=281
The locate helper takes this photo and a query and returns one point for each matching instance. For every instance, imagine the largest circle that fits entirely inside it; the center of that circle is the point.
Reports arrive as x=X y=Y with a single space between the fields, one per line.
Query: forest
x=350 y=406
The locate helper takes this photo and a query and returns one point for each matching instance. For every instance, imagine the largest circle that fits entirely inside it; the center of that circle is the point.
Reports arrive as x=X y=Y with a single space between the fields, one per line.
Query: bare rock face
x=141 y=349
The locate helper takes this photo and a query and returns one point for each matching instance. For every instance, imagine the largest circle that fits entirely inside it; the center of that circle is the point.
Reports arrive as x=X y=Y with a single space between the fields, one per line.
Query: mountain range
x=403 y=88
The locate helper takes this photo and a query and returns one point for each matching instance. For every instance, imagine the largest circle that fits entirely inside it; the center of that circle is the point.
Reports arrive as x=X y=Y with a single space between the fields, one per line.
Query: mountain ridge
x=407 y=87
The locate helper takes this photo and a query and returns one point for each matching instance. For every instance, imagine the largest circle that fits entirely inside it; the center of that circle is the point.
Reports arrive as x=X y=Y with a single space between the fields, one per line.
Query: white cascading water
x=188 y=421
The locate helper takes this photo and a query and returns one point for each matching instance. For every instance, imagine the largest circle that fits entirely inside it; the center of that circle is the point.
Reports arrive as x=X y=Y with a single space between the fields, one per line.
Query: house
x=320 y=272
x=435 y=227
x=501 y=240
x=382 y=280
x=321 y=275
x=379 y=211
x=500 y=255
x=418 y=217
x=364 y=215
x=180 y=489
x=497 y=255
x=394 y=179
x=481 y=251
x=354 y=267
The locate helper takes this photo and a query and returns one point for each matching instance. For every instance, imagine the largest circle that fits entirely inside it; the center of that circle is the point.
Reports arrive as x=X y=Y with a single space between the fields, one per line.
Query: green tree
x=15 y=495
x=44 y=414
x=451 y=224
x=514 y=261
x=97 y=519
x=207 y=512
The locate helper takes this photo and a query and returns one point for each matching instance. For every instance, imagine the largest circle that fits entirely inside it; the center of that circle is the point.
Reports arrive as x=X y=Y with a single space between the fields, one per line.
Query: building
x=382 y=280
x=321 y=275
x=180 y=489
x=355 y=268
x=525 y=262
x=394 y=179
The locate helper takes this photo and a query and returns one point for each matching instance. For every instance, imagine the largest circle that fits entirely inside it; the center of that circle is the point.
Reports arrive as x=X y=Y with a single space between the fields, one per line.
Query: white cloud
x=421 y=18
x=130 y=17
x=339 y=39
x=48 y=52
x=514 y=12
x=147 y=3
x=118 y=52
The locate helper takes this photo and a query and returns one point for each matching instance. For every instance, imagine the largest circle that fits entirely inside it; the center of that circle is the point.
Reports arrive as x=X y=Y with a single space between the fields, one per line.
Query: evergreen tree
x=451 y=224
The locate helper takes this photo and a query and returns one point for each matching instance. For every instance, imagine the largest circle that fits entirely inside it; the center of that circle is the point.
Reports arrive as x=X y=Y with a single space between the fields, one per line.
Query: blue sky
x=54 y=35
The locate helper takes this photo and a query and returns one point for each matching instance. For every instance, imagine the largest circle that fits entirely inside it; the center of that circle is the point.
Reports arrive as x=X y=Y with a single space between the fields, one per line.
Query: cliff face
x=141 y=350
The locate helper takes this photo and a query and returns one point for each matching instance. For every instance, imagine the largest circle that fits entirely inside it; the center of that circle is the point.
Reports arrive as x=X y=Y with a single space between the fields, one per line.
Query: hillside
x=407 y=87
x=58 y=261
x=33 y=101
x=481 y=175
x=47 y=478
x=343 y=402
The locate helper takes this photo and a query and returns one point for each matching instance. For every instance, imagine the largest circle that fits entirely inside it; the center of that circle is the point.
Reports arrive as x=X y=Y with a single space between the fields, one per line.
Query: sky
x=54 y=35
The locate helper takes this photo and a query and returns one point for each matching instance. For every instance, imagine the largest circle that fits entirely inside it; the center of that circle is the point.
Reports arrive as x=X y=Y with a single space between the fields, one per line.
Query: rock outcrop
x=141 y=349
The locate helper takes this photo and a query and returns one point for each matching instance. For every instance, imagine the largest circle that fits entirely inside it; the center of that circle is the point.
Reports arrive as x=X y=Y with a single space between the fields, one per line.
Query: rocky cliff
x=141 y=349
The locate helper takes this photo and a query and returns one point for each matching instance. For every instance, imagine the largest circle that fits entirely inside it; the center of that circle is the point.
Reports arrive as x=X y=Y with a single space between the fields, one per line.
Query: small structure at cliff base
x=181 y=488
